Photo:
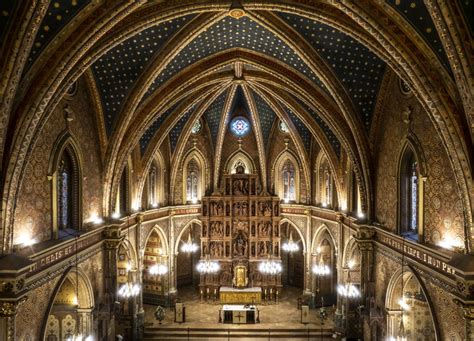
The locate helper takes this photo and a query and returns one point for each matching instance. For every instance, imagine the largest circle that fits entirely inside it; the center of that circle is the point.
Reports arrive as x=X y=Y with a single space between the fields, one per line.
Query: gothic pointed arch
x=407 y=300
x=242 y=159
x=153 y=193
x=411 y=175
x=194 y=180
x=65 y=174
x=326 y=192
x=70 y=307
x=286 y=177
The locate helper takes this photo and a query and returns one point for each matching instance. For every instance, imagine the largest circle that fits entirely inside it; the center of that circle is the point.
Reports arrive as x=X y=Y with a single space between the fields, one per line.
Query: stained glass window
x=65 y=178
x=240 y=126
x=284 y=128
x=289 y=181
x=192 y=182
x=196 y=127
x=414 y=196
x=327 y=187
x=152 y=186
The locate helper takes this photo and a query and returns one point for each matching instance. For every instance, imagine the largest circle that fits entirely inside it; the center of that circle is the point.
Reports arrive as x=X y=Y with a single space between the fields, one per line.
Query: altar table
x=232 y=313
x=243 y=296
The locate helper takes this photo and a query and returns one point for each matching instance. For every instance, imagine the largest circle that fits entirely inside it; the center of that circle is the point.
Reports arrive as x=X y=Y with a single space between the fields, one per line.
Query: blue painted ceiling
x=416 y=13
x=333 y=140
x=301 y=127
x=266 y=115
x=467 y=7
x=117 y=71
x=213 y=115
x=150 y=132
x=359 y=70
x=175 y=133
x=231 y=33
x=58 y=15
x=7 y=10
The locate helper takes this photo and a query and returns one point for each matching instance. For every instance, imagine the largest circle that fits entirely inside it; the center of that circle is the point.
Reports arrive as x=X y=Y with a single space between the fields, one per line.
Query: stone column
x=364 y=239
x=307 y=256
x=172 y=256
x=85 y=327
x=111 y=243
x=8 y=311
x=338 y=318
x=139 y=321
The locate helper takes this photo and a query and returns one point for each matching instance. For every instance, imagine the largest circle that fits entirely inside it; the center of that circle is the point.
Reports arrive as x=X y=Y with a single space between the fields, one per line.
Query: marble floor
x=283 y=315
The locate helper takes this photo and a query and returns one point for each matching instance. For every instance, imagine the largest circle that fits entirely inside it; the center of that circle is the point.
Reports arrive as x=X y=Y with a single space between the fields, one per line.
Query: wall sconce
x=95 y=219
x=26 y=240
x=450 y=243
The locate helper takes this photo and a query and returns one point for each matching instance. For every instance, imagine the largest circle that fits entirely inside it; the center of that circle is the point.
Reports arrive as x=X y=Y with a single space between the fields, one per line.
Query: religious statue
x=245 y=209
x=265 y=208
x=240 y=240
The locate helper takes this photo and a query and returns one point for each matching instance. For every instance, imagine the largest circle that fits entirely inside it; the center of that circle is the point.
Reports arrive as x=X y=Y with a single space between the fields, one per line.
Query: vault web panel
x=266 y=115
x=151 y=131
x=359 y=70
x=416 y=13
x=301 y=127
x=175 y=133
x=231 y=33
x=58 y=15
x=213 y=115
x=117 y=70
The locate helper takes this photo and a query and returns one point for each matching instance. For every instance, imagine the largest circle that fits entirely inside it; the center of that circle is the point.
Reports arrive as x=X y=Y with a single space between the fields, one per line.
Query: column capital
x=10 y=308
x=467 y=309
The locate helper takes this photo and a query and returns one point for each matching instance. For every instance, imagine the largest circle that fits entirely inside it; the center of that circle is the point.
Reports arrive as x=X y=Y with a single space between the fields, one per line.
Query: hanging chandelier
x=158 y=269
x=348 y=290
x=128 y=289
x=270 y=267
x=80 y=338
x=189 y=246
x=207 y=266
x=290 y=245
x=321 y=269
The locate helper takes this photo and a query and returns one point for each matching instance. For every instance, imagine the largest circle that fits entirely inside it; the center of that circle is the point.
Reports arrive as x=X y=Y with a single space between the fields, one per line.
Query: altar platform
x=202 y=321
x=229 y=295
x=238 y=314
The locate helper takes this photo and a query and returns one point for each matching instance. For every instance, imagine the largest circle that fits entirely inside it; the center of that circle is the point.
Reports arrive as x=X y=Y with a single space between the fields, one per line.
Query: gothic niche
x=240 y=228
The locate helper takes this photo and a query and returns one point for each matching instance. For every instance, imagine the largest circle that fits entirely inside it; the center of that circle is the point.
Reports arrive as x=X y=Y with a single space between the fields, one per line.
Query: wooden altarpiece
x=240 y=229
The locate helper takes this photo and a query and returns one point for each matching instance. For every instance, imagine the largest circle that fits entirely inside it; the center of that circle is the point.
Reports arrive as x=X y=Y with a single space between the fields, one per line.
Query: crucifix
x=240 y=316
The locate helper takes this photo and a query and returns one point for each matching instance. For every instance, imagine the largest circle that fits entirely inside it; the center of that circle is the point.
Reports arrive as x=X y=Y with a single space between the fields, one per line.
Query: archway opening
x=408 y=310
x=155 y=283
x=292 y=261
x=187 y=277
x=324 y=255
x=70 y=316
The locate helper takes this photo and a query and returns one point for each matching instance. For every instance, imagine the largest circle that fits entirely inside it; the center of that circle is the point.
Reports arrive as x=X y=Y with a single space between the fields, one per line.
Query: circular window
x=404 y=87
x=196 y=127
x=71 y=90
x=239 y=126
x=284 y=128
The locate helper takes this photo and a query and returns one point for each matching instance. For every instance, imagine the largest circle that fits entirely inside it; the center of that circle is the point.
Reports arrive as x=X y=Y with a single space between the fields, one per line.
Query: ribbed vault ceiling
x=338 y=75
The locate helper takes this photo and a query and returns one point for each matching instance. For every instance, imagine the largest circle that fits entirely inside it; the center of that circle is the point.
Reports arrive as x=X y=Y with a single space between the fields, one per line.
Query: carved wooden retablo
x=240 y=228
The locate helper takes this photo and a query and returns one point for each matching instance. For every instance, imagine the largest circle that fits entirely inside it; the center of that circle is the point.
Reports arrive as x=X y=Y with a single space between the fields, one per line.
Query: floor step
x=156 y=333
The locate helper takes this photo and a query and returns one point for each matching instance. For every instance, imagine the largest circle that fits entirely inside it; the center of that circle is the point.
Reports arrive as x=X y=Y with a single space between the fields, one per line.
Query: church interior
x=233 y=170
